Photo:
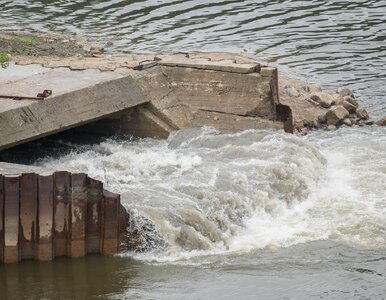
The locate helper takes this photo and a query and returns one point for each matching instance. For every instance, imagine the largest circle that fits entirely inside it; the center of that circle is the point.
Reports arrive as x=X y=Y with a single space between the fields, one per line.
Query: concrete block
x=267 y=71
x=238 y=94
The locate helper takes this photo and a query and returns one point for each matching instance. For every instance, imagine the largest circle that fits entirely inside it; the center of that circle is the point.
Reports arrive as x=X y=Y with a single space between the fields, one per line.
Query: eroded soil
x=35 y=44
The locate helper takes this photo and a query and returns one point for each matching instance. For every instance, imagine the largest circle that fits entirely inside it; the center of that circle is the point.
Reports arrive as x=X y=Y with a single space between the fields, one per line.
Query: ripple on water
x=329 y=42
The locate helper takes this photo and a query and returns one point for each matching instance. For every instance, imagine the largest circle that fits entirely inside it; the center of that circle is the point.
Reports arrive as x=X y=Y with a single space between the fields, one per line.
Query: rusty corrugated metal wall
x=63 y=214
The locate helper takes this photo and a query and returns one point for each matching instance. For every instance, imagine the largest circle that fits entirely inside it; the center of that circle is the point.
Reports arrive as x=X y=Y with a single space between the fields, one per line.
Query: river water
x=253 y=215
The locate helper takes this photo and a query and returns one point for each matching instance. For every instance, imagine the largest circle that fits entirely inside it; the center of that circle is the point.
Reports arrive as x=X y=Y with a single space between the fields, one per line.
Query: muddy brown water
x=253 y=215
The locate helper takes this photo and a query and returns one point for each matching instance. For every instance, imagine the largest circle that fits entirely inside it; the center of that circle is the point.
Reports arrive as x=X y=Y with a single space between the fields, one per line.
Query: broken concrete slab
x=78 y=98
x=223 y=65
x=230 y=123
x=182 y=90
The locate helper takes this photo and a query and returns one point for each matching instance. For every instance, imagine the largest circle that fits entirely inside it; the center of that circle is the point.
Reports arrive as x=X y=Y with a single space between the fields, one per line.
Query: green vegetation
x=20 y=50
x=27 y=41
x=4 y=60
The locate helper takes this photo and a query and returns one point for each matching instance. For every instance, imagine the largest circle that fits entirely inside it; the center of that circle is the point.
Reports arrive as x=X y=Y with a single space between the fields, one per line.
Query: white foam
x=246 y=191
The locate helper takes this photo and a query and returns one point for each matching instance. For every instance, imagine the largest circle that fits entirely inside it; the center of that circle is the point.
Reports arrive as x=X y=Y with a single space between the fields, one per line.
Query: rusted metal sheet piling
x=63 y=214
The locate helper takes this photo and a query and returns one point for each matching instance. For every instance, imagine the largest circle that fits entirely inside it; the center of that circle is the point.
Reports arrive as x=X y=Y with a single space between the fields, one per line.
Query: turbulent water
x=256 y=214
x=211 y=193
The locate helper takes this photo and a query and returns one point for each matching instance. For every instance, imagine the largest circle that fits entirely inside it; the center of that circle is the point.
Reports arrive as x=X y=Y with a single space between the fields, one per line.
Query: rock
x=331 y=127
x=336 y=115
x=345 y=92
x=303 y=131
x=353 y=121
x=216 y=118
x=313 y=89
x=291 y=91
x=381 y=122
x=362 y=114
x=337 y=98
x=347 y=122
x=350 y=107
x=351 y=100
x=369 y=123
x=322 y=119
x=95 y=52
x=325 y=100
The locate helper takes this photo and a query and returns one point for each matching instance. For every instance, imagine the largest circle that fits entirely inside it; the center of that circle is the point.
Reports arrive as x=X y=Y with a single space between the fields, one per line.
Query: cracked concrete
x=167 y=92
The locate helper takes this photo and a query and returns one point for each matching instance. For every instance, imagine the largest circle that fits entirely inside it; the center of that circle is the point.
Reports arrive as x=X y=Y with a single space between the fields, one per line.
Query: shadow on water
x=82 y=278
x=56 y=146
x=316 y=270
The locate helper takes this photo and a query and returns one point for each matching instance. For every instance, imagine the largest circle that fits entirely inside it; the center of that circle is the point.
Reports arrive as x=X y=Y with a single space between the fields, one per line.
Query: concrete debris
x=324 y=99
x=343 y=92
x=267 y=71
x=381 y=122
x=347 y=122
x=349 y=106
x=362 y=114
x=335 y=116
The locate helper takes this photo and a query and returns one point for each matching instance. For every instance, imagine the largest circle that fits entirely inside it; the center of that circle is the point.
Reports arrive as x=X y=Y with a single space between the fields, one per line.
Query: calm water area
x=253 y=215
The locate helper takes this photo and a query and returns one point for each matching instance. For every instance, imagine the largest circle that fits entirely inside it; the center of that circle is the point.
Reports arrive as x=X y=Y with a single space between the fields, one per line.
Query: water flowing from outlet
x=201 y=192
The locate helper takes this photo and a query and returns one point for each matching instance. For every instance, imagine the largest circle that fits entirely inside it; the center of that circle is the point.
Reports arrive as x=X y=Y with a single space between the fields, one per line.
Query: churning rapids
x=208 y=193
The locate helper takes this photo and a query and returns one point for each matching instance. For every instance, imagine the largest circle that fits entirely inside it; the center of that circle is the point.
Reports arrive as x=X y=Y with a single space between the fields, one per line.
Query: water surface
x=253 y=215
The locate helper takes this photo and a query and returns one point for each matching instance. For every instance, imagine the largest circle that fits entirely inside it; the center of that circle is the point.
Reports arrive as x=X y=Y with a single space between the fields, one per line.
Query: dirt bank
x=37 y=44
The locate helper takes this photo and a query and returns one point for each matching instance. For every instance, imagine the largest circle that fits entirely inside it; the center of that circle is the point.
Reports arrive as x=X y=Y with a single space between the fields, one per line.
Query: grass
x=27 y=41
x=20 y=50
x=4 y=60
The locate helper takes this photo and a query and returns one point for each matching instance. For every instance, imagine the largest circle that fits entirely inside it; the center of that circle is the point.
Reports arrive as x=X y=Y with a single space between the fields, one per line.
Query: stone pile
x=312 y=108
x=343 y=110
x=381 y=122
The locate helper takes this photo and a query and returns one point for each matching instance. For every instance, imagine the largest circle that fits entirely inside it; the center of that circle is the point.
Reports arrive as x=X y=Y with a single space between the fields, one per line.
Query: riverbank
x=39 y=44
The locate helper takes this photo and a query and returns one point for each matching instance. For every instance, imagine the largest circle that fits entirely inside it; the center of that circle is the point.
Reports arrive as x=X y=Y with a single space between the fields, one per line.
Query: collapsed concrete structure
x=145 y=95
